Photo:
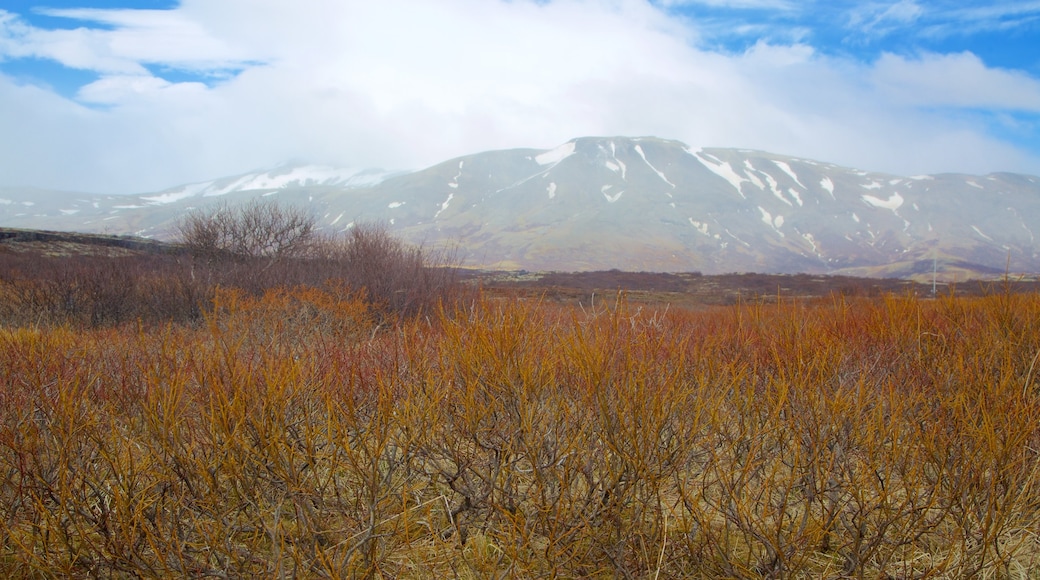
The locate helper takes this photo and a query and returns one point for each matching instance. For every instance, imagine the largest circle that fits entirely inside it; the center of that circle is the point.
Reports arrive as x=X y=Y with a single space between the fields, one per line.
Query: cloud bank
x=216 y=87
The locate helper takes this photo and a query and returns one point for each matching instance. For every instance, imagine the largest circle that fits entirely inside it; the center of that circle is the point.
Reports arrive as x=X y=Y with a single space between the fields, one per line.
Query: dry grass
x=291 y=435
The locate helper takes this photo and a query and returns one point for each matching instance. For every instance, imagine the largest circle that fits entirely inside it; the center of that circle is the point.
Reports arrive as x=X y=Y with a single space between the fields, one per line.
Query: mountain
x=627 y=203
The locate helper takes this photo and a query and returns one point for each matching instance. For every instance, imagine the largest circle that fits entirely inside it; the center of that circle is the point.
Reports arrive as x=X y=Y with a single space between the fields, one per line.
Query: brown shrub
x=257 y=229
x=848 y=438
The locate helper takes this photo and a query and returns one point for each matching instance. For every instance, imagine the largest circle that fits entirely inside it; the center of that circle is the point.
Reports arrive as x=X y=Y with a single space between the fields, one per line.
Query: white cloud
x=405 y=83
x=131 y=37
x=881 y=17
x=943 y=19
x=997 y=15
x=957 y=80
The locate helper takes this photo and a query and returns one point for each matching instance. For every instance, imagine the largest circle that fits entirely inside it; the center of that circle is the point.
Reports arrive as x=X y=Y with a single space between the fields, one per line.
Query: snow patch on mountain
x=611 y=198
x=554 y=156
x=639 y=150
x=454 y=183
x=827 y=186
x=704 y=154
x=737 y=238
x=774 y=222
x=177 y=195
x=894 y=202
x=979 y=232
x=756 y=181
x=812 y=242
x=750 y=174
x=444 y=205
x=302 y=176
x=722 y=169
x=787 y=169
x=297 y=176
x=774 y=188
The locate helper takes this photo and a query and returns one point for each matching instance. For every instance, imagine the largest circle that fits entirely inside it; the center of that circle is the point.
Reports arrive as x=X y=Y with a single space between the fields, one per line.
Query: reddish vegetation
x=308 y=431
x=691 y=289
x=97 y=281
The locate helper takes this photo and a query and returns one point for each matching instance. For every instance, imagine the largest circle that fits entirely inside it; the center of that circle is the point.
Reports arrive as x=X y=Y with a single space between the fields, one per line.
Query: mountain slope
x=634 y=204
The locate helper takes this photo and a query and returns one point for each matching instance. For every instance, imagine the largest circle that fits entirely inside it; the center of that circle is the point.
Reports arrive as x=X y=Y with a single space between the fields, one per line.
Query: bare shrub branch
x=254 y=230
x=398 y=276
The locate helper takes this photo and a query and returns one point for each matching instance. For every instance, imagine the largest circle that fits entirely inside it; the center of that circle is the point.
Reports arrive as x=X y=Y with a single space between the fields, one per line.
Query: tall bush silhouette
x=257 y=229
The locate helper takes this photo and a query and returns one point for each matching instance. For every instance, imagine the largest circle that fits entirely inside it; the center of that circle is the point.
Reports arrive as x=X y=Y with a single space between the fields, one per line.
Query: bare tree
x=255 y=230
x=261 y=245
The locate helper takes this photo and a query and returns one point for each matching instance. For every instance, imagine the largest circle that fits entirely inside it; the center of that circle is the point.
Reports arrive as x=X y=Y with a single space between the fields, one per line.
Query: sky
x=133 y=96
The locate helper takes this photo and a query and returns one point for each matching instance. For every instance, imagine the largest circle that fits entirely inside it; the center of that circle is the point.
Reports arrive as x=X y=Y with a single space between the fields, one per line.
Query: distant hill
x=642 y=204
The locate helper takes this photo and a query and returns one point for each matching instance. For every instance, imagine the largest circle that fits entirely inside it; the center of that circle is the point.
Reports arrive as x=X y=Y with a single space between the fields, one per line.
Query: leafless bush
x=254 y=230
x=99 y=291
x=261 y=246
x=254 y=249
x=398 y=276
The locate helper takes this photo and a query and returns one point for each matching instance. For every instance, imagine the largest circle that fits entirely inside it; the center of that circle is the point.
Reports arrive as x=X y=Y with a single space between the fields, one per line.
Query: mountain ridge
x=641 y=203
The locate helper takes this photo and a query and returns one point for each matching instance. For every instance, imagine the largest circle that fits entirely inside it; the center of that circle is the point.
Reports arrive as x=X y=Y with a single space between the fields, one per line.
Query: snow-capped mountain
x=156 y=214
x=287 y=176
x=626 y=203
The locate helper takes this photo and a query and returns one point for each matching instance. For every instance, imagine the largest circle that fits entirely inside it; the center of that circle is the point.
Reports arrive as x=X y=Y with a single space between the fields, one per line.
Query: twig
x=664 y=544
x=1029 y=373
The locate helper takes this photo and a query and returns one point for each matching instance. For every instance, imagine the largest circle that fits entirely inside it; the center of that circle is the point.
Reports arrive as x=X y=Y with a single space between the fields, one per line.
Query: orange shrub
x=290 y=435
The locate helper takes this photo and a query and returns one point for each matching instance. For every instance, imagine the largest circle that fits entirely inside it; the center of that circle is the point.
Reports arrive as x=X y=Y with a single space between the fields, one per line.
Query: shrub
x=99 y=291
x=397 y=276
x=261 y=246
x=851 y=438
x=254 y=230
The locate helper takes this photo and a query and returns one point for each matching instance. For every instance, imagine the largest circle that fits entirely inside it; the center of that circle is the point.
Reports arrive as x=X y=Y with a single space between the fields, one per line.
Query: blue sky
x=121 y=96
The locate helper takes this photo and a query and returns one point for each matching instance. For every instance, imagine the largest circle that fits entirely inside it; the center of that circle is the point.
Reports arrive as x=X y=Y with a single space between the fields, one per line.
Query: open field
x=311 y=431
x=695 y=290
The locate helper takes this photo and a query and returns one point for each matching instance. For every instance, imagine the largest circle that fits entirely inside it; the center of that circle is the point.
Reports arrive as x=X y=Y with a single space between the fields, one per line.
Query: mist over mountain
x=645 y=204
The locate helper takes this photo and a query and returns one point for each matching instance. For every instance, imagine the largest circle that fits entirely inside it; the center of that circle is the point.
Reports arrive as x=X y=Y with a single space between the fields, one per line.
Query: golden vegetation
x=323 y=429
x=288 y=435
